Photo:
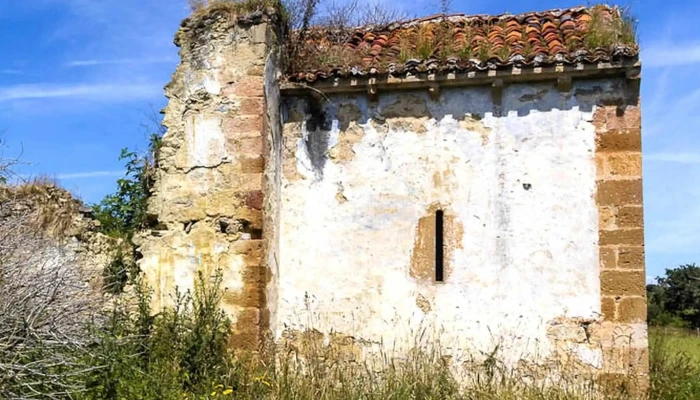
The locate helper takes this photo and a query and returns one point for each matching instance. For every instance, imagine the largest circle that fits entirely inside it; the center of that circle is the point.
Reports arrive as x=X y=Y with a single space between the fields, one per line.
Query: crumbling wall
x=207 y=209
x=517 y=183
x=48 y=214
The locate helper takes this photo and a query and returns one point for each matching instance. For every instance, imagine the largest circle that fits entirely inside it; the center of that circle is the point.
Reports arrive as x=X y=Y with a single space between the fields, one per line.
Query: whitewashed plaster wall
x=519 y=183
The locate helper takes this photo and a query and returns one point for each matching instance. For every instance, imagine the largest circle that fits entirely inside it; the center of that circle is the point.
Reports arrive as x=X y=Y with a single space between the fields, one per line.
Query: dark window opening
x=439 y=246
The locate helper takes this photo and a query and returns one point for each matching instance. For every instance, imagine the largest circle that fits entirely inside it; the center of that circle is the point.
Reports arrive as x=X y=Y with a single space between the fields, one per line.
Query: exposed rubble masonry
x=216 y=166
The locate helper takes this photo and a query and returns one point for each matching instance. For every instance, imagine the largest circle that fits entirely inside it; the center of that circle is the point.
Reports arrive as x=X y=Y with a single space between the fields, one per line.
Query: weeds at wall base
x=183 y=352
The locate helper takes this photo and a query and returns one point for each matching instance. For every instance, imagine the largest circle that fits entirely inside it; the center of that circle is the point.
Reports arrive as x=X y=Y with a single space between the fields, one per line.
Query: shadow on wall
x=475 y=100
x=323 y=116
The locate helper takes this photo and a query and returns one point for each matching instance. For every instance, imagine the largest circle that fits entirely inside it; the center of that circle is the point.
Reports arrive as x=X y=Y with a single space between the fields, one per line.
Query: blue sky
x=79 y=77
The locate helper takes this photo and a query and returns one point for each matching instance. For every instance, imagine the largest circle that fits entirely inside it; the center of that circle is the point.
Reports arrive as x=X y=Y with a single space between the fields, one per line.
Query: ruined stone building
x=472 y=180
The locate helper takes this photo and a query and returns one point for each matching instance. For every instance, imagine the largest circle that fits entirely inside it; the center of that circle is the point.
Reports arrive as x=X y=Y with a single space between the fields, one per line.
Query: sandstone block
x=607 y=307
x=259 y=33
x=608 y=257
x=628 y=140
x=632 y=309
x=253 y=217
x=249 y=86
x=244 y=298
x=251 y=182
x=633 y=237
x=625 y=359
x=616 y=165
x=246 y=328
x=622 y=283
x=254 y=199
x=619 y=192
x=630 y=217
x=619 y=119
x=248 y=247
x=244 y=126
x=252 y=106
x=253 y=164
x=250 y=147
x=252 y=294
x=631 y=257
x=255 y=70
x=599 y=118
x=606 y=217
x=621 y=382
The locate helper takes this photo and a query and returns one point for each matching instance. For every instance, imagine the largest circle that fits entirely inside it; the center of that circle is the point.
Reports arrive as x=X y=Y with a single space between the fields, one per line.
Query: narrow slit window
x=439 y=246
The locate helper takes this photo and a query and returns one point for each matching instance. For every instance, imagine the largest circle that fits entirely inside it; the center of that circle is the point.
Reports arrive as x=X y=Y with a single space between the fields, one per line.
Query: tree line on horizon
x=674 y=301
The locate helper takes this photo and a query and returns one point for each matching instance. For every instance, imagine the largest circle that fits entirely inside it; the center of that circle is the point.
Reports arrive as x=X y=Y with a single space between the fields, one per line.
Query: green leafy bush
x=122 y=213
x=179 y=351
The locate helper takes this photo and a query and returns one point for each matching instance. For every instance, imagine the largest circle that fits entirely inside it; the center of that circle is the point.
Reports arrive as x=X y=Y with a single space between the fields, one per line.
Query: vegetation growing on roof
x=460 y=42
x=605 y=32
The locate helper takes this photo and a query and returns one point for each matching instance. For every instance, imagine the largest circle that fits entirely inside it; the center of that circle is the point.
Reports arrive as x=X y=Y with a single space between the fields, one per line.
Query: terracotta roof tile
x=462 y=43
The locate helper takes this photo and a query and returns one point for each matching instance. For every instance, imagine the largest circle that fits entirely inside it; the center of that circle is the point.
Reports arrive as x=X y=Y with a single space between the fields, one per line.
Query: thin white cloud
x=662 y=54
x=123 y=61
x=679 y=158
x=85 y=91
x=10 y=72
x=89 y=174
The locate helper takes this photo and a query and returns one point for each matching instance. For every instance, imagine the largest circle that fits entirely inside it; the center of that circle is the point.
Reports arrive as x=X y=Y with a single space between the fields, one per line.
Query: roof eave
x=629 y=68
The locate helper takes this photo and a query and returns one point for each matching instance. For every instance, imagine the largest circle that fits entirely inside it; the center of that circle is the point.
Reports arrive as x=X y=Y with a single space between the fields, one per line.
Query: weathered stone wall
x=518 y=184
x=321 y=211
x=208 y=201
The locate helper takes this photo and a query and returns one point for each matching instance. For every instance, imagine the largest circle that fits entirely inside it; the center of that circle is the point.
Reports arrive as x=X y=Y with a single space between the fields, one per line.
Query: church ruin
x=474 y=179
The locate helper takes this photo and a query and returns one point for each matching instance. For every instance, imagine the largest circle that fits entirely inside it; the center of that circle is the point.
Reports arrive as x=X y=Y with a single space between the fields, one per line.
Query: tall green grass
x=674 y=362
x=184 y=352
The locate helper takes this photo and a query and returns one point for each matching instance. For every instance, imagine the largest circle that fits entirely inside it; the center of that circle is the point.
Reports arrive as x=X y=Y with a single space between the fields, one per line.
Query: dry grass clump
x=605 y=30
x=201 y=7
x=333 y=46
x=46 y=300
x=46 y=207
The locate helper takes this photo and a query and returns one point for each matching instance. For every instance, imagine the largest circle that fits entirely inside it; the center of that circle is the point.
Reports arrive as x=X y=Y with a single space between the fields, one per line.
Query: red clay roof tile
x=462 y=43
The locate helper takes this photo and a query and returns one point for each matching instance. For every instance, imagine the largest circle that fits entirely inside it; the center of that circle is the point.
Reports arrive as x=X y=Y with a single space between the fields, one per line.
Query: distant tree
x=657 y=313
x=675 y=300
x=678 y=293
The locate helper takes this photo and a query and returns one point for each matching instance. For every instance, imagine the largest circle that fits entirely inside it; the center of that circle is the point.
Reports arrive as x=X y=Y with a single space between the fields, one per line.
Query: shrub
x=180 y=351
x=46 y=303
x=122 y=213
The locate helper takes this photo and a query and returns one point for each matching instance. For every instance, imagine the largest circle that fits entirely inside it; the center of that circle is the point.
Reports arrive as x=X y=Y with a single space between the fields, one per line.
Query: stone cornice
x=562 y=74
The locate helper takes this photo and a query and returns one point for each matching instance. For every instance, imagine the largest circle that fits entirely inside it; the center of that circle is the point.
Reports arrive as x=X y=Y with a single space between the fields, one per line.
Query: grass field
x=684 y=342
x=674 y=357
